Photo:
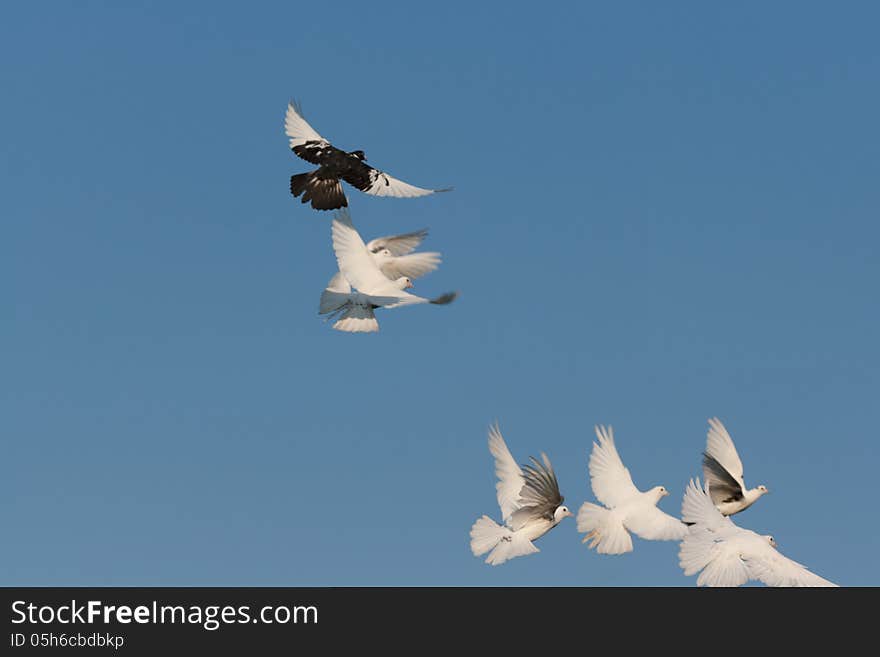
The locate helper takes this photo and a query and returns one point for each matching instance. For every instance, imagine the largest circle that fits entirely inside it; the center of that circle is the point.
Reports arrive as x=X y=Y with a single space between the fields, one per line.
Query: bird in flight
x=727 y=555
x=395 y=257
x=530 y=502
x=627 y=509
x=723 y=472
x=322 y=187
x=363 y=284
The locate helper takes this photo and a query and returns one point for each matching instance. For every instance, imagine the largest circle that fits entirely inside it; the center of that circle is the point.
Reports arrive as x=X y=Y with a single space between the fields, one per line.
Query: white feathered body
x=523 y=523
x=723 y=472
x=503 y=543
x=536 y=528
x=725 y=554
x=608 y=529
x=367 y=280
x=626 y=508
x=749 y=497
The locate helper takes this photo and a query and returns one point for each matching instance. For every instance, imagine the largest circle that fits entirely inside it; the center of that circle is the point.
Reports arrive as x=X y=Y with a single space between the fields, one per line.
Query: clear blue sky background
x=660 y=214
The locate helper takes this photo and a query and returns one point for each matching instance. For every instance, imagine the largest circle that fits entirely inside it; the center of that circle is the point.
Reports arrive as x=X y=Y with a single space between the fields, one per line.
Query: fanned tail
x=486 y=535
x=354 y=318
x=324 y=193
x=605 y=532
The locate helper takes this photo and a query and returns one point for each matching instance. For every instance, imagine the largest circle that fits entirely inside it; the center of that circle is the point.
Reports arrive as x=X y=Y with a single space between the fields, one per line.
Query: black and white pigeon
x=530 y=501
x=723 y=472
x=322 y=187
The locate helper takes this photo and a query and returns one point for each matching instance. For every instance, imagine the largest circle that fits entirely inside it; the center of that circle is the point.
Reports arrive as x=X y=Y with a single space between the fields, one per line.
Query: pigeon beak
x=409 y=285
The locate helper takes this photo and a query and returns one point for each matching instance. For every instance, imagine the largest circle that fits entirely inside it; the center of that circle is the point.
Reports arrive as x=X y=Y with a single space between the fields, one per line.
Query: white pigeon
x=628 y=508
x=727 y=555
x=530 y=502
x=393 y=255
x=723 y=472
x=351 y=298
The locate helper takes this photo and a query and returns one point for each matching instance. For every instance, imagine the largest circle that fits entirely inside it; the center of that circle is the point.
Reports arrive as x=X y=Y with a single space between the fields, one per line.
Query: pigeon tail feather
x=324 y=193
x=486 y=535
x=604 y=531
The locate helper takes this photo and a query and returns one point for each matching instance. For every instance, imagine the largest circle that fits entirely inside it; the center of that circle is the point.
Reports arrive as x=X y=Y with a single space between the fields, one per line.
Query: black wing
x=360 y=175
x=540 y=495
x=316 y=152
x=722 y=486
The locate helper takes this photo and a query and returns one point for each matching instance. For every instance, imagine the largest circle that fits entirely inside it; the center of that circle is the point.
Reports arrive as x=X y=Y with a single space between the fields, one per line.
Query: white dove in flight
x=394 y=255
x=530 y=502
x=723 y=472
x=351 y=298
x=727 y=555
x=627 y=509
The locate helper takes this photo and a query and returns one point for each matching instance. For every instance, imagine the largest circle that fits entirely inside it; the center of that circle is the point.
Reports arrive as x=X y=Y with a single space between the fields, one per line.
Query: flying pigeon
x=727 y=555
x=723 y=472
x=530 y=502
x=395 y=257
x=628 y=508
x=361 y=286
x=322 y=186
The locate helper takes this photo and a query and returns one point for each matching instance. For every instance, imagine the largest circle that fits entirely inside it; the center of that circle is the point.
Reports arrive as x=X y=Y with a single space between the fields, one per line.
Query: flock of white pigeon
x=723 y=553
x=376 y=274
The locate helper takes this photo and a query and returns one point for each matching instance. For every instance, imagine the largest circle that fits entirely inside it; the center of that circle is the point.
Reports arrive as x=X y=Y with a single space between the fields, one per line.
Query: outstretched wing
x=413 y=265
x=355 y=262
x=378 y=183
x=335 y=295
x=394 y=299
x=540 y=496
x=510 y=476
x=773 y=568
x=698 y=509
x=722 y=467
x=398 y=244
x=304 y=139
x=713 y=544
x=611 y=482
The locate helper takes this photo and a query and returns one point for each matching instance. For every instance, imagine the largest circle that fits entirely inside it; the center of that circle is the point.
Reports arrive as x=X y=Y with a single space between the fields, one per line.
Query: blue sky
x=660 y=214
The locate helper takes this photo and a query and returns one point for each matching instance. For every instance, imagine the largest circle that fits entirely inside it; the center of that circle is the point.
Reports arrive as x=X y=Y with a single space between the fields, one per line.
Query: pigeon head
x=403 y=282
x=359 y=155
x=561 y=512
x=762 y=489
x=659 y=492
x=771 y=540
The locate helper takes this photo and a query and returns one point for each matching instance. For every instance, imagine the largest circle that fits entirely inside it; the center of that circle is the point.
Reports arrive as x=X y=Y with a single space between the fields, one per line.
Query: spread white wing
x=611 y=482
x=414 y=265
x=727 y=555
x=380 y=183
x=773 y=568
x=356 y=263
x=510 y=476
x=398 y=244
x=335 y=295
x=298 y=129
